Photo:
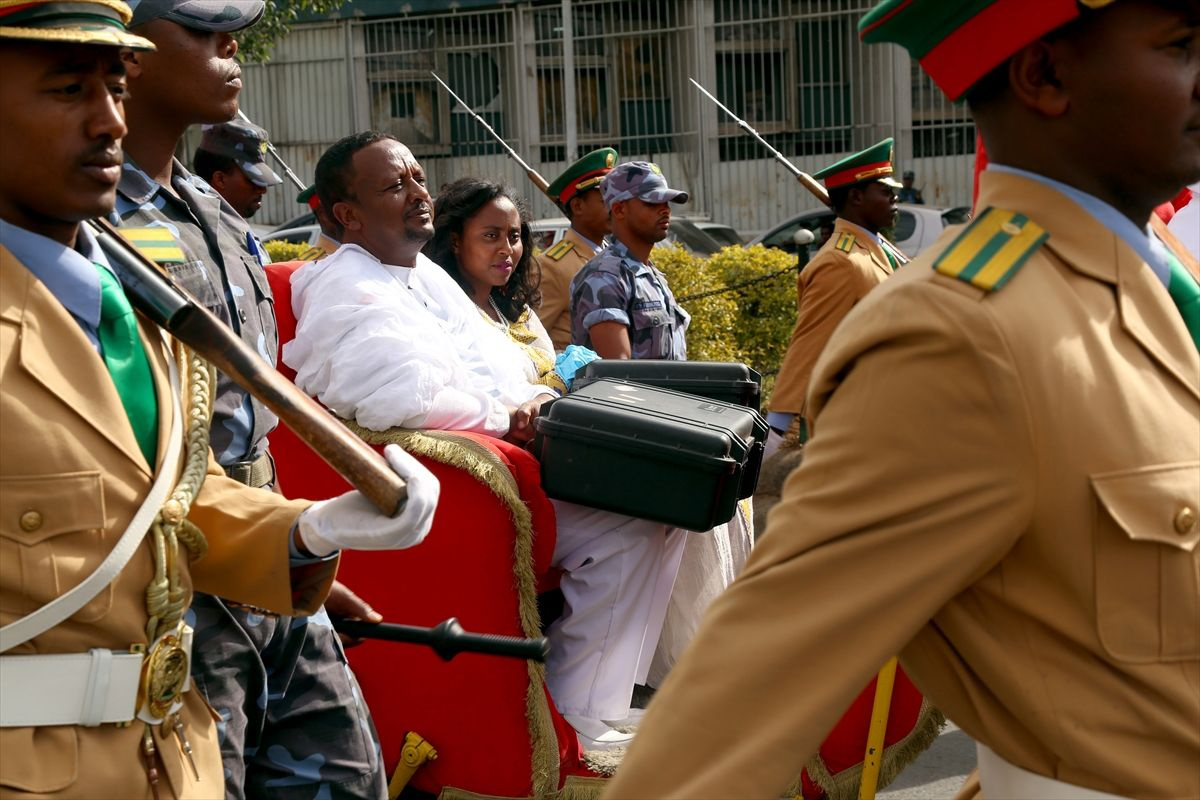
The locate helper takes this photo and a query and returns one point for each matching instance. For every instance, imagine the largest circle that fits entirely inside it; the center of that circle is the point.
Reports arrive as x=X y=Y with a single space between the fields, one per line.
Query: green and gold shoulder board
x=157 y=244
x=991 y=249
x=845 y=242
x=560 y=249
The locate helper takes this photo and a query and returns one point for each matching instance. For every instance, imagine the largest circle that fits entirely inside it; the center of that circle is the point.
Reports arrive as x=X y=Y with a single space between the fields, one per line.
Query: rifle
x=447 y=639
x=803 y=177
x=172 y=309
x=271 y=149
x=533 y=174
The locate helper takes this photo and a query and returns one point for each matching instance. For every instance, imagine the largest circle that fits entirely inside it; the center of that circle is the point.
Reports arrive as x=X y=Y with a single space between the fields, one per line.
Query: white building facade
x=795 y=70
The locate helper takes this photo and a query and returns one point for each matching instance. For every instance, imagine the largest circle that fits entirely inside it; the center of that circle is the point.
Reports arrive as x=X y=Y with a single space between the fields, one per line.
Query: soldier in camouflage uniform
x=232 y=159
x=293 y=723
x=621 y=305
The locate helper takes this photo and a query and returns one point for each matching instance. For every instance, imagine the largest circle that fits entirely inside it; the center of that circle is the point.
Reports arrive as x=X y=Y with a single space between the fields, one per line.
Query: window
x=940 y=128
x=624 y=76
x=468 y=51
x=824 y=86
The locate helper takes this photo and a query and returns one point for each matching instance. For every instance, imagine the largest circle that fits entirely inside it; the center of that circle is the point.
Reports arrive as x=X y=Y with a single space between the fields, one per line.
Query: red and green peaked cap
x=584 y=174
x=872 y=164
x=959 y=41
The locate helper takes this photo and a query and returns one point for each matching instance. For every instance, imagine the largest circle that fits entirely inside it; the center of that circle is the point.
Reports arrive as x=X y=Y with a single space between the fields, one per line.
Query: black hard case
x=728 y=382
x=650 y=453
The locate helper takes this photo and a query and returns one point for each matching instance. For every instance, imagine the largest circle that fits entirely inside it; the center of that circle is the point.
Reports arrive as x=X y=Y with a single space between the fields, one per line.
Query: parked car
x=916 y=227
x=548 y=231
x=723 y=233
x=297 y=230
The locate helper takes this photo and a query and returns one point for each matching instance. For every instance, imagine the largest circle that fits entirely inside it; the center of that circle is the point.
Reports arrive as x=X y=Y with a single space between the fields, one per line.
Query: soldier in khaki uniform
x=577 y=192
x=1003 y=480
x=95 y=425
x=850 y=264
x=325 y=244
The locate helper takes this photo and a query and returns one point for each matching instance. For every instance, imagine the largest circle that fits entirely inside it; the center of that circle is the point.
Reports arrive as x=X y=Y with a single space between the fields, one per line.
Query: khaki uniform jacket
x=1001 y=488
x=826 y=289
x=69 y=457
x=559 y=265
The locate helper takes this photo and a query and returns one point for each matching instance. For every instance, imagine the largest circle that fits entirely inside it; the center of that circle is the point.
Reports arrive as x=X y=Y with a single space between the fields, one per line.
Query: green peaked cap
x=584 y=174
x=308 y=196
x=872 y=164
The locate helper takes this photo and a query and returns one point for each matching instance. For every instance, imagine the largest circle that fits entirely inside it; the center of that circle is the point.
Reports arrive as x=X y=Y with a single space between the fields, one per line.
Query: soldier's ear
x=133 y=65
x=1033 y=77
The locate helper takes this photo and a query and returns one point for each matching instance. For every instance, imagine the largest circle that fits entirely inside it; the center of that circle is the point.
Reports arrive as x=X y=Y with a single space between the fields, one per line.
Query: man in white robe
x=385 y=337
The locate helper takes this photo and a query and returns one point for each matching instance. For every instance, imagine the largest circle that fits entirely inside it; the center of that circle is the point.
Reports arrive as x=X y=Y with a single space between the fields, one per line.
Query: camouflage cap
x=224 y=16
x=80 y=22
x=641 y=180
x=246 y=144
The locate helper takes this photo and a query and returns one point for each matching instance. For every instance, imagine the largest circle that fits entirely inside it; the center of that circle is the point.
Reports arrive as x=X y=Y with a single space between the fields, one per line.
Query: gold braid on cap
x=121 y=8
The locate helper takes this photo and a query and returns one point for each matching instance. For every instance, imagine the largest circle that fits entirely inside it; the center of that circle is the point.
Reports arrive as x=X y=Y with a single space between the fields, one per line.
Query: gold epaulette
x=991 y=249
x=560 y=249
x=313 y=253
x=845 y=242
x=157 y=244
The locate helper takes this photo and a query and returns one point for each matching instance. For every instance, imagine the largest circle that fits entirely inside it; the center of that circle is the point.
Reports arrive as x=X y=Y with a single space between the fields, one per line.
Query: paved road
x=939 y=772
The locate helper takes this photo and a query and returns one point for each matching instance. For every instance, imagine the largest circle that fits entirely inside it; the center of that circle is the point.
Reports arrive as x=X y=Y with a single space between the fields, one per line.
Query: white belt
x=1001 y=780
x=89 y=688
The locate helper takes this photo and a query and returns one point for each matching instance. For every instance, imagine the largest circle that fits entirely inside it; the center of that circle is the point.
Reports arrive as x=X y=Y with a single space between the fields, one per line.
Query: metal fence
x=794 y=69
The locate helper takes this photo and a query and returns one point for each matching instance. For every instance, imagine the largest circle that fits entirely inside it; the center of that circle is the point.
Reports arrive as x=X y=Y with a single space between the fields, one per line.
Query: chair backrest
x=465 y=568
x=280 y=277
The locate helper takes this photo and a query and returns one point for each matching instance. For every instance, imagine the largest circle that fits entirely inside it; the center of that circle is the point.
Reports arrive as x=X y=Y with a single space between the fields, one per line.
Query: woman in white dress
x=482 y=240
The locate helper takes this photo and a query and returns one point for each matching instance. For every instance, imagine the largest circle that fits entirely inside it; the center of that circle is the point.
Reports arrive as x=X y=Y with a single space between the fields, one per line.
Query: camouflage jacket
x=616 y=287
x=224 y=271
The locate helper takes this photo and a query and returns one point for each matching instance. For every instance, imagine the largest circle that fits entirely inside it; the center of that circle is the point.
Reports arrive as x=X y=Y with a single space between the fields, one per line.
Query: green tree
x=255 y=44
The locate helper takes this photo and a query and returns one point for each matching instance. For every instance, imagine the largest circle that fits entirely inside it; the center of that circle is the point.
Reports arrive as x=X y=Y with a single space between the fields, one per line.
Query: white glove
x=352 y=522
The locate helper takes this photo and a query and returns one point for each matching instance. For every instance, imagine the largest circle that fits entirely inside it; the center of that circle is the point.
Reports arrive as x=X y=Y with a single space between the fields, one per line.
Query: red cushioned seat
x=475 y=709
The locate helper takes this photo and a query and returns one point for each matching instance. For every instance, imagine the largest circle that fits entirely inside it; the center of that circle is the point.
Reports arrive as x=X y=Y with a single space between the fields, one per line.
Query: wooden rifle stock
x=167 y=306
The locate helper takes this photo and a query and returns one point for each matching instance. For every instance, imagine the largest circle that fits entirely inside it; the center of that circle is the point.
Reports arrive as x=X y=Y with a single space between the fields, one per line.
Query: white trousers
x=711 y=561
x=619 y=572
x=1003 y=780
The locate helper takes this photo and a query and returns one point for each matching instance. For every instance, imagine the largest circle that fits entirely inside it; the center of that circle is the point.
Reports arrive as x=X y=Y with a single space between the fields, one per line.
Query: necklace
x=500 y=319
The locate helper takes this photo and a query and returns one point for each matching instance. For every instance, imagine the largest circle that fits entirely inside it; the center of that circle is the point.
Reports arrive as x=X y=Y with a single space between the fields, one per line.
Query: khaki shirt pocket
x=43 y=759
x=1147 y=588
x=52 y=536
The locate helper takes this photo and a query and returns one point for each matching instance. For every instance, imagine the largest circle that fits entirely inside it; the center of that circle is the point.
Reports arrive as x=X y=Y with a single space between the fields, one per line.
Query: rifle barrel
x=447 y=639
x=533 y=174
x=275 y=153
x=816 y=189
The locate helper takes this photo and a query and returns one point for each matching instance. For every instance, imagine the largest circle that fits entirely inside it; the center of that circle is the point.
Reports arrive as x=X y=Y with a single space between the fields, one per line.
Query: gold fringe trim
x=575 y=787
x=844 y=786
x=446 y=447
